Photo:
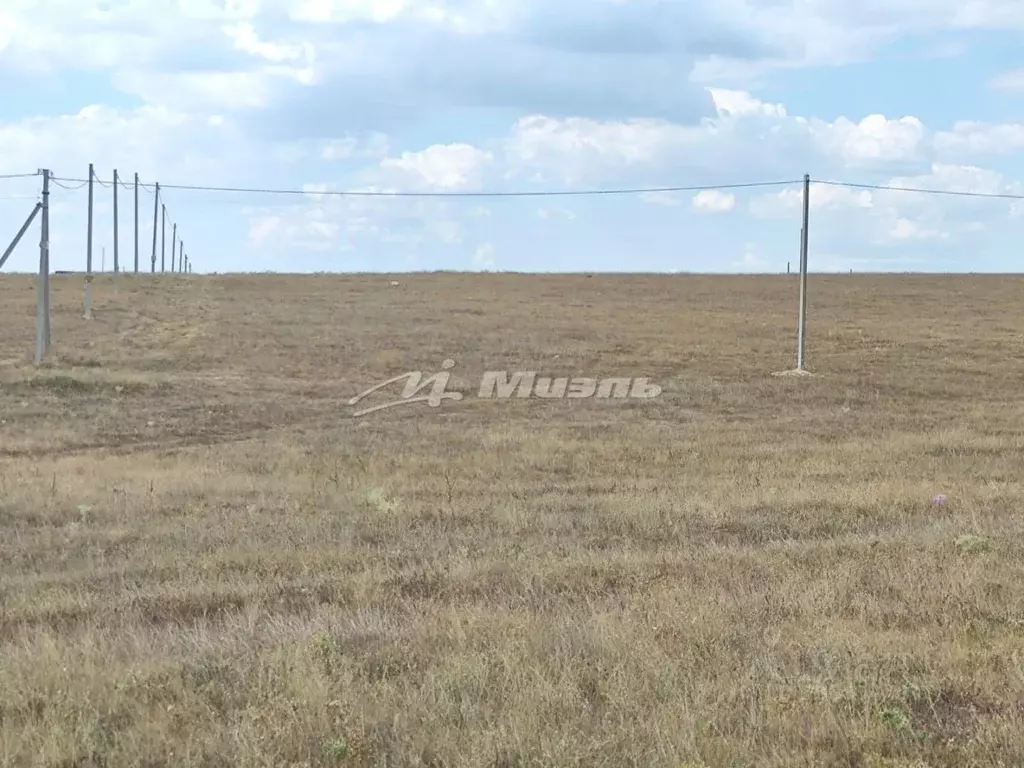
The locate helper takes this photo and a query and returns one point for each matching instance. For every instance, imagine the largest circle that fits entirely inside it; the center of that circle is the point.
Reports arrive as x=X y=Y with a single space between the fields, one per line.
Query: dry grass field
x=206 y=560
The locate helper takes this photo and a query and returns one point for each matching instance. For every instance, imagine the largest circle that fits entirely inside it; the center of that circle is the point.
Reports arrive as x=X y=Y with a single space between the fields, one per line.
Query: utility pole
x=88 y=253
x=802 y=322
x=43 y=294
x=156 y=211
x=45 y=247
x=163 y=237
x=136 y=223
x=116 y=265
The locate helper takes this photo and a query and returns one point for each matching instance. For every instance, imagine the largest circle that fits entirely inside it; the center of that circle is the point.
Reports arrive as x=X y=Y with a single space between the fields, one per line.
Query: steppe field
x=207 y=560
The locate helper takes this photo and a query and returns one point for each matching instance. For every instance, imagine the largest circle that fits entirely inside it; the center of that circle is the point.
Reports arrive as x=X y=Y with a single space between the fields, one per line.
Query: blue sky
x=453 y=96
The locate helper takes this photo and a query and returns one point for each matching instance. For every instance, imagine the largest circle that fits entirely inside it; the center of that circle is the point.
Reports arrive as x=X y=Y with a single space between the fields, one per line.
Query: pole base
x=87 y=303
x=794 y=372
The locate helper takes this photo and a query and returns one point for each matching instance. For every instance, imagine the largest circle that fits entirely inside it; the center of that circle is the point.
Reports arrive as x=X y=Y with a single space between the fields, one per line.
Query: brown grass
x=206 y=560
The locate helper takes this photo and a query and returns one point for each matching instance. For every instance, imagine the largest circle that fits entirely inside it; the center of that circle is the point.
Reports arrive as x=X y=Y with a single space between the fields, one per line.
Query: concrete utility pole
x=88 y=253
x=156 y=212
x=116 y=263
x=136 y=223
x=802 y=322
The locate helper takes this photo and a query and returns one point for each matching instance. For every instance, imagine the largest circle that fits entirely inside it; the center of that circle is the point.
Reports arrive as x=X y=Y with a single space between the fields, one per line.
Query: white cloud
x=448 y=232
x=155 y=141
x=555 y=213
x=244 y=37
x=1008 y=81
x=713 y=201
x=350 y=147
x=964 y=178
x=972 y=137
x=749 y=136
x=199 y=90
x=828 y=32
x=751 y=260
x=943 y=178
x=741 y=104
x=313 y=230
x=349 y=223
x=469 y=18
x=326 y=95
x=580 y=149
x=378 y=11
x=315 y=192
x=441 y=166
x=262 y=228
x=873 y=138
x=483 y=258
x=900 y=215
x=905 y=229
x=944 y=212
x=526 y=52
x=789 y=202
x=571 y=150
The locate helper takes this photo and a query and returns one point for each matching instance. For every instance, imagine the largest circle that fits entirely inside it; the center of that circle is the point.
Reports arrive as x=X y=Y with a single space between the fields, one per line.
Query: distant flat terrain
x=207 y=560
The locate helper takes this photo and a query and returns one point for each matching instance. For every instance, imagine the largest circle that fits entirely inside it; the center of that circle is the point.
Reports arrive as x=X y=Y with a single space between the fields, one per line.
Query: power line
x=532 y=193
x=18 y=175
x=953 y=192
x=64 y=186
x=536 y=193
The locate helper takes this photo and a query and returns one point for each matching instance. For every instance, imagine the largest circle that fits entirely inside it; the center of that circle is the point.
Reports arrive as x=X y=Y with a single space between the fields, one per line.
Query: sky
x=428 y=101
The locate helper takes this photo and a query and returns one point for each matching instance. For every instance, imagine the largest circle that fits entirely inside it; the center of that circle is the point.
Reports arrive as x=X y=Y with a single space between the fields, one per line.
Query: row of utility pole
x=42 y=209
x=180 y=261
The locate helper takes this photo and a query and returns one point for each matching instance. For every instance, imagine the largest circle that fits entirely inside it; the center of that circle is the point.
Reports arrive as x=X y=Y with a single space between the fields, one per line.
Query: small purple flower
x=939 y=499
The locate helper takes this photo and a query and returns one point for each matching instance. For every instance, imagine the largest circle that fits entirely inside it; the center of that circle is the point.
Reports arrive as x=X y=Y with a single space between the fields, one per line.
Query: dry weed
x=206 y=561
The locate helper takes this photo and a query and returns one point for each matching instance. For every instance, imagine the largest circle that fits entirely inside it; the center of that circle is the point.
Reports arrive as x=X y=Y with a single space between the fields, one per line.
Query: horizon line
x=592 y=273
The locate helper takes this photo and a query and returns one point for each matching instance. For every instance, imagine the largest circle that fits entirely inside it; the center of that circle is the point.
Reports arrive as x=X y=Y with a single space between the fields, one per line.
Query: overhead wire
x=953 y=192
x=513 y=193
x=62 y=181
